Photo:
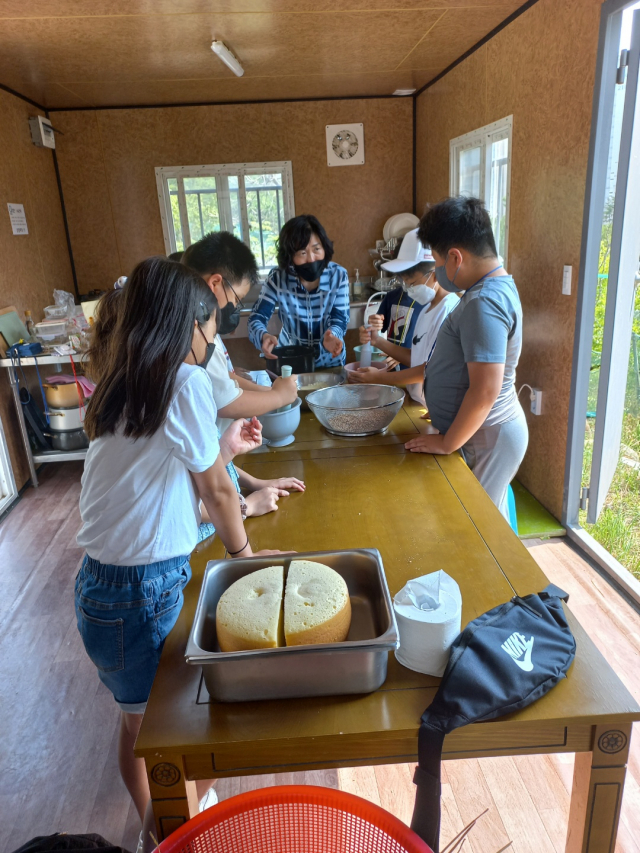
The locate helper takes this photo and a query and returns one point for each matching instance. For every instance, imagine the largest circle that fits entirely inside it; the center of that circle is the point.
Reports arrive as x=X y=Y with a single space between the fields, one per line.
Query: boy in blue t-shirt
x=469 y=382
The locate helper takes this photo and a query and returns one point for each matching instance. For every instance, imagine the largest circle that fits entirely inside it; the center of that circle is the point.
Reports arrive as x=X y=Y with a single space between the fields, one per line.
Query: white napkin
x=428 y=612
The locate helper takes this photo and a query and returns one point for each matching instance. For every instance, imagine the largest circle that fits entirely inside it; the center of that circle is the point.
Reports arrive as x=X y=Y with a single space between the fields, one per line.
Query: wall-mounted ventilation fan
x=345 y=144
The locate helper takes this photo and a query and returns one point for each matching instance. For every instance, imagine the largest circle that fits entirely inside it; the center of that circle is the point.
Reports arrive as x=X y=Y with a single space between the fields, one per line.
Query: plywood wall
x=107 y=160
x=35 y=264
x=540 y=69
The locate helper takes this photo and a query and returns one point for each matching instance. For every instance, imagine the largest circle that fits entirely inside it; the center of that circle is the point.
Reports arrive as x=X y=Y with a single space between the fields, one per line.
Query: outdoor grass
x=618 y=527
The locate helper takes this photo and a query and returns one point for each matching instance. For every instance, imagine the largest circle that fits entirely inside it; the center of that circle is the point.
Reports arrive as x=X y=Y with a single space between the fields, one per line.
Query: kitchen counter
x=423 y=513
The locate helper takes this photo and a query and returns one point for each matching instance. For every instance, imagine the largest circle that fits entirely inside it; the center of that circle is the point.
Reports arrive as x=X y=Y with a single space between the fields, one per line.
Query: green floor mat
x=534 y=522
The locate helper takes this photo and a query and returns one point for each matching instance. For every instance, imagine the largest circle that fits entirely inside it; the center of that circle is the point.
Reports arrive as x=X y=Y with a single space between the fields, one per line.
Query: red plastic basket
x=294 y=819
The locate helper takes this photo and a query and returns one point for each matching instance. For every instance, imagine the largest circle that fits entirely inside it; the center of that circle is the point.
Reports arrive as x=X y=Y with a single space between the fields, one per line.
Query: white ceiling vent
x=345 y=144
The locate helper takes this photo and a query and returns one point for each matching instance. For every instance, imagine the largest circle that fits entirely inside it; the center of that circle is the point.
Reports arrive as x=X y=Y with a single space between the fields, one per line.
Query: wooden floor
x=58 y=769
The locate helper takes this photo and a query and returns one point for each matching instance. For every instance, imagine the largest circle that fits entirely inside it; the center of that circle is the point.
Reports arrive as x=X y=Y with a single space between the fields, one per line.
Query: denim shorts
x=124 y=614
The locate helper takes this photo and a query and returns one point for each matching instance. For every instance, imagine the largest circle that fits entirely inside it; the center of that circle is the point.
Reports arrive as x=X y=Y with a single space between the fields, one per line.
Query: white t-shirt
x=424 y=338
x=138 y=502
x=225 y=389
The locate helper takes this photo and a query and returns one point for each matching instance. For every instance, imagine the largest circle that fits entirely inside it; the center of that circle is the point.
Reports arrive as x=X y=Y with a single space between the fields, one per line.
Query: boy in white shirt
x=229 y=268
x=415 y=265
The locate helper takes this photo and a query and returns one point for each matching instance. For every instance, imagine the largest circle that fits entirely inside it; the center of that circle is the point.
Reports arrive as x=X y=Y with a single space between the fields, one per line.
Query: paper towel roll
x=428 y=612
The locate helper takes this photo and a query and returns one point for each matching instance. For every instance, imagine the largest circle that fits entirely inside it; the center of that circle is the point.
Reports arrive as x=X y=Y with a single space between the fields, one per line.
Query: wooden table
x=423 y=513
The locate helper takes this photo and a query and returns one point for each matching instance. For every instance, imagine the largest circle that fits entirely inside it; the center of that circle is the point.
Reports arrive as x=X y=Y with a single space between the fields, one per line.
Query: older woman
x=311 y=292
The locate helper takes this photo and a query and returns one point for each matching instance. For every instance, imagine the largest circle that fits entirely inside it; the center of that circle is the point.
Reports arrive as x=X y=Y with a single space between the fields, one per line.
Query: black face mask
x=229 y=319
x=211 y=348
x=310 y=271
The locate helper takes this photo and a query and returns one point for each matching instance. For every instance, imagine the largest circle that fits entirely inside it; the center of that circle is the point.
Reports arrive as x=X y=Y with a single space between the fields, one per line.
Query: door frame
x=6 y=473
x=594 y=202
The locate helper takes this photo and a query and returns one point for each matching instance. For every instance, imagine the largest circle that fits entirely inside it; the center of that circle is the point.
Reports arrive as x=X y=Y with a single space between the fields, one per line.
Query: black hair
x=223 y=253
x=458 y=223
x=175 y=256
x=159 y=305
x=295 y=235
x=424 y=267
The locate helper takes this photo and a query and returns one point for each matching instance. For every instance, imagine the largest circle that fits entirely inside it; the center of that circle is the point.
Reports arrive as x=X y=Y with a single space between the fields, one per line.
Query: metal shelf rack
x=47 y=455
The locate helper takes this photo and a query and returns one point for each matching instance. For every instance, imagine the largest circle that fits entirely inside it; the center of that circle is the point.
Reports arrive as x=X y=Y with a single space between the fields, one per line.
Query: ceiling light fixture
x=220 y=48
x=404 y=92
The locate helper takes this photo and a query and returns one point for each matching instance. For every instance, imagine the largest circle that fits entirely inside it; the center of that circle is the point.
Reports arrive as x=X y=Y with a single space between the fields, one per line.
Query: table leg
x=23 y=427
x=173 y=797
x=596 y=796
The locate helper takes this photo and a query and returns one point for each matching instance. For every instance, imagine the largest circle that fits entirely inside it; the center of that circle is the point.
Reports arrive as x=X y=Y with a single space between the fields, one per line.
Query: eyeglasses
x=425 y=278
x=239 y=302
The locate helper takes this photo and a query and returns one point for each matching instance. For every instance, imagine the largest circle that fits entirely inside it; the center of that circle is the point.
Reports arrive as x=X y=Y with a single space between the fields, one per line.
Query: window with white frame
x=480 y=166
x=252 y=200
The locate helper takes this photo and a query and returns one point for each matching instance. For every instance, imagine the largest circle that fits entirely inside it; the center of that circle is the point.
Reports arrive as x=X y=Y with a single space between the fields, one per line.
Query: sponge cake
x=317 y=608
x=249 y=612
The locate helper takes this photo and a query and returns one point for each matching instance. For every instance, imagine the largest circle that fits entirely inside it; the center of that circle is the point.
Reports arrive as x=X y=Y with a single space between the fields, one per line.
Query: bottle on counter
x=286 y=372
x=357 y=285
x=29 y=324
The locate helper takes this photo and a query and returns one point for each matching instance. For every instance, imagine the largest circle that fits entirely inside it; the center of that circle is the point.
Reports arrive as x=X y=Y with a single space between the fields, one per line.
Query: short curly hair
x=295 y=235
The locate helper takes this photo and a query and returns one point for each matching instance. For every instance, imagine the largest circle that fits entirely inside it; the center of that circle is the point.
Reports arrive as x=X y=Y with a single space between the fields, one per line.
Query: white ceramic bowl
x=278 y=427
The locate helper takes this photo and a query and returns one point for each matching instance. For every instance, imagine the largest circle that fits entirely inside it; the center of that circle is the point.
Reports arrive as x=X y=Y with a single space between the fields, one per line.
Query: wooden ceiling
x=86 y=53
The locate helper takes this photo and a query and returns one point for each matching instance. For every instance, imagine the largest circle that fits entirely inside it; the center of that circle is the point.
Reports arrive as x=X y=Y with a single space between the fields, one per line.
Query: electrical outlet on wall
x=536 y=401
x=567 y=272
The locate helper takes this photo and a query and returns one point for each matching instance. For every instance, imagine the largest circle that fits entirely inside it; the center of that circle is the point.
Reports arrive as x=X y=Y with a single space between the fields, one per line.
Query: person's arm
x=337 y=319
x=248 y=384
x=283 y=391
x=220 y=499
x=260 y=316
x=242 y=436
x=265 y=494
x=371 y=375
x=485 y=382
x=400 y=354
x=219 y=496
x=253 y=484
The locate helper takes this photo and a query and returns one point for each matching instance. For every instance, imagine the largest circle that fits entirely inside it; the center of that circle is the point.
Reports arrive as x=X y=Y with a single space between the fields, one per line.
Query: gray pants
x=494 y=455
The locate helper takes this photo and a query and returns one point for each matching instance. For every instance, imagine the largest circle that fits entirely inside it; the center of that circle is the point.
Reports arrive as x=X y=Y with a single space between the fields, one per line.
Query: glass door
x=619 y=271
x=601 y=508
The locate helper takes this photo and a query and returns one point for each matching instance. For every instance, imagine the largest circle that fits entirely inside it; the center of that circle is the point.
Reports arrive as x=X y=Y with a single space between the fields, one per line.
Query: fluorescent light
x=220 y=48
x=404 y=92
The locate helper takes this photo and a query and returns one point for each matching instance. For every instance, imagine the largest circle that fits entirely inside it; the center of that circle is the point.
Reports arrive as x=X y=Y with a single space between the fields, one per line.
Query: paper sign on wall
x=18 y=218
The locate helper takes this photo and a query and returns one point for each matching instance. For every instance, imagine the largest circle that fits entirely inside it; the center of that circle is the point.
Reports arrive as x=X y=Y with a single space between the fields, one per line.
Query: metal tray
x=358 y=665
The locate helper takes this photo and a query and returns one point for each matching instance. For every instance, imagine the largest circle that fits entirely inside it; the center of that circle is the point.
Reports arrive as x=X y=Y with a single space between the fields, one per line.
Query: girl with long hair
x=153 y=455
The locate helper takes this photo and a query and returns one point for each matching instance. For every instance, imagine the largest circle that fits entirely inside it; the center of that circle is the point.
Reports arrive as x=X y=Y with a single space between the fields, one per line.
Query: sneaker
x=209 y=799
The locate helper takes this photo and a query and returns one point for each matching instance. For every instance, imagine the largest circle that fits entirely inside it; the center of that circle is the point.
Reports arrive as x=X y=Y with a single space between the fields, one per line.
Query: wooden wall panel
x=526 y=70
x=35 y=264
x=107 y=160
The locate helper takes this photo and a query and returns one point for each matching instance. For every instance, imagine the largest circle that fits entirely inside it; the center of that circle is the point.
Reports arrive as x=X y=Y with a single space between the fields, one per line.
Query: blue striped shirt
x=305 y=316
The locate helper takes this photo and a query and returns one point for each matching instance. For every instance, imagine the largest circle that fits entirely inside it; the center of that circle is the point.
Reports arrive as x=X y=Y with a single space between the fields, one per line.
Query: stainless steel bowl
x=319 y=380
x=357 y=665
x=353 y=410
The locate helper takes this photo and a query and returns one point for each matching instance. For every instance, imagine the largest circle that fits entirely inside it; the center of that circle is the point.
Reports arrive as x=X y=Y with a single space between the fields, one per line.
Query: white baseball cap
x=411 y=252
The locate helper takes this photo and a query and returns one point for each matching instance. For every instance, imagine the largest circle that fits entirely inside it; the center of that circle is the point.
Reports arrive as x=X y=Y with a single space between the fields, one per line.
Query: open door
x=623 y=278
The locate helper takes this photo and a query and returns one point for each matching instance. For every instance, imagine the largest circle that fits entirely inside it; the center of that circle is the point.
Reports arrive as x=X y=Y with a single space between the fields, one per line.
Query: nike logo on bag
x=517 y=646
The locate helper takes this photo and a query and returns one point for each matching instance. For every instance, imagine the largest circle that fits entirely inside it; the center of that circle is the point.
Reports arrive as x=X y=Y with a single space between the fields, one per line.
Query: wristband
x=233 y=553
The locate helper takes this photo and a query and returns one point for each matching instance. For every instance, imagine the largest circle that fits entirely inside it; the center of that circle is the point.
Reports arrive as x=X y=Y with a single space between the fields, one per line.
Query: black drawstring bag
x=503 y=661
